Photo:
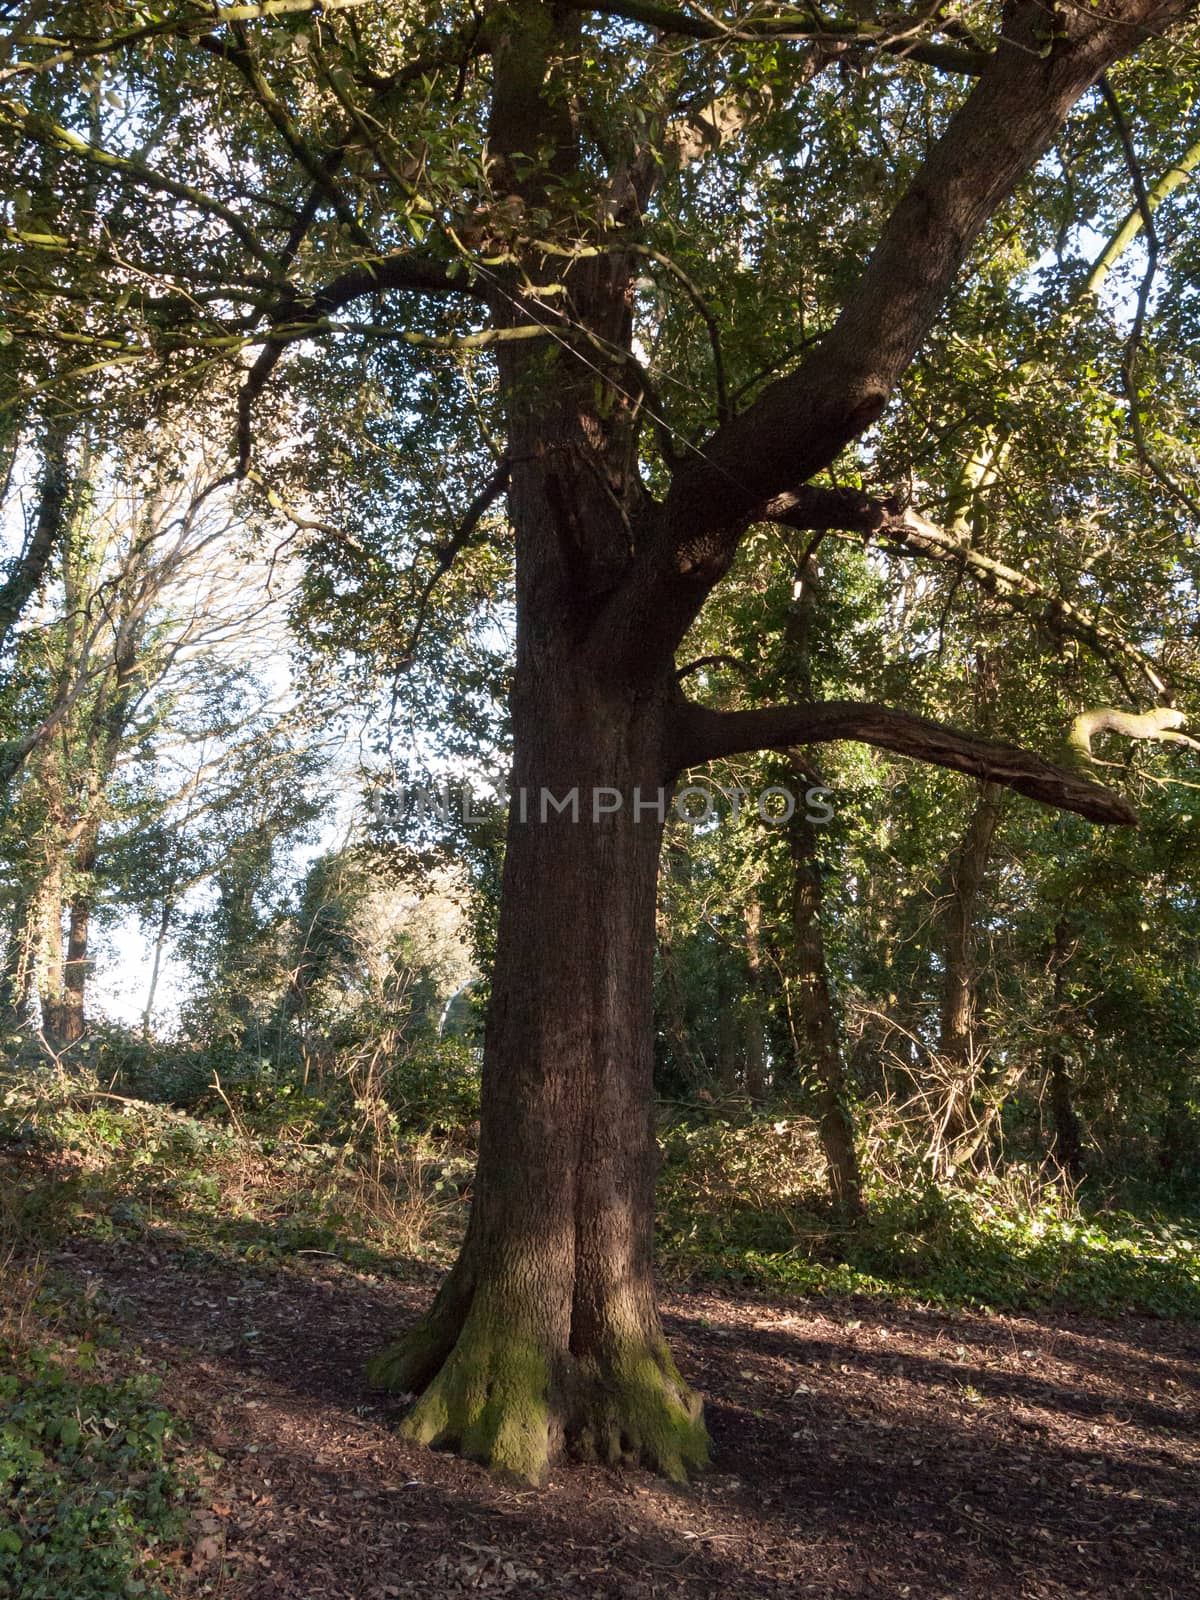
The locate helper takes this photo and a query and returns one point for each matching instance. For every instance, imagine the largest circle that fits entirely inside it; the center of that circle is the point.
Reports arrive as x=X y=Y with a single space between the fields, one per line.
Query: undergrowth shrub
x=745 y=1201
x=261 y=1169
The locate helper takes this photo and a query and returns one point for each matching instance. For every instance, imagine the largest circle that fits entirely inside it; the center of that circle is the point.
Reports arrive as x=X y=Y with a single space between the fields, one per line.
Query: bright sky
x=253 y=594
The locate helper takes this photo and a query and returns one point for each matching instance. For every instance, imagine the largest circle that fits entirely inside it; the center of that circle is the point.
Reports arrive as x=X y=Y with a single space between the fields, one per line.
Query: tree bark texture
x=546 y=1332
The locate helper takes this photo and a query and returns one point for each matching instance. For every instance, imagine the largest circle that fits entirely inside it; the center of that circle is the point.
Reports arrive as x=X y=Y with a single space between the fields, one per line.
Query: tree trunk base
x=503 y=1400
x=490 y=1401
x=636 y=1411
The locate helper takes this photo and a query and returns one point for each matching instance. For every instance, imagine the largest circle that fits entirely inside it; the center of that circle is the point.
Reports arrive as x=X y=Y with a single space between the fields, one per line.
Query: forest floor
x=861 y=1448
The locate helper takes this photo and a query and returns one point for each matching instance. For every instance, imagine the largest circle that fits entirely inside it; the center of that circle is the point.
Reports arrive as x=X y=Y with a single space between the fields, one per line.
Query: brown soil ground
x=860 y=1450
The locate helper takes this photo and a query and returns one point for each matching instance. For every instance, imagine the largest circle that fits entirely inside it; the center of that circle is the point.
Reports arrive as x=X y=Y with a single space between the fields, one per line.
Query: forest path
x=860 y=1449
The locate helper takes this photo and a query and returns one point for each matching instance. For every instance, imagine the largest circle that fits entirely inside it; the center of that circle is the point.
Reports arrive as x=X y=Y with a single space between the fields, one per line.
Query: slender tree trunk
x=814 y=1029
x=53 y=508
x=72 y=1022
x=728 y=1040
x=1067 y=1130
x=160 y=945
x=957 y=1045
x=814 y=1024
x=755 y=1023
x=49 y=959
x=17 y=979
x=674 y=1014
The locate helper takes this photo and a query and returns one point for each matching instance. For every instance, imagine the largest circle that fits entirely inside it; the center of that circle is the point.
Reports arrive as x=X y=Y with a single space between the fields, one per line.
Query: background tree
x=145 y=610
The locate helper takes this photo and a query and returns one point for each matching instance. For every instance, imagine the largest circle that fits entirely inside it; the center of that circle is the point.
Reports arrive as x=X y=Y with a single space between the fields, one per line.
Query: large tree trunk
x=546 y=1331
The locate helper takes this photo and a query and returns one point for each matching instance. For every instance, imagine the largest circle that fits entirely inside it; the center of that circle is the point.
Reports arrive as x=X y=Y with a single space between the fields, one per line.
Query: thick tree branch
x=900 y=40
x=416 y=274
x=1159 y=726
x=1176 y=175
x=800 y=423
x=816 y=509
x=704 y=734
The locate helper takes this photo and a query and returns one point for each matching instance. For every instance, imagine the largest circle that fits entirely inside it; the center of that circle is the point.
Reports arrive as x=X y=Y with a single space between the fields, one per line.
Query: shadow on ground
x=860 y=1450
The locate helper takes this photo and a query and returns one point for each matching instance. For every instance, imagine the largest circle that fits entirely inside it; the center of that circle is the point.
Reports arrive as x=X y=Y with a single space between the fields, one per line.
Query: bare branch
x=732 y=662
x=696 y=295
x=453 y=547
x=1133 y=345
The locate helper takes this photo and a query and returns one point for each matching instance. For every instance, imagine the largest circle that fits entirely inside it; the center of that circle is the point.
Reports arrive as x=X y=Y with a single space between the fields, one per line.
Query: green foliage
x=435 y=1086
x=96 y=1483
x=261 y=1171
x=88 y=1488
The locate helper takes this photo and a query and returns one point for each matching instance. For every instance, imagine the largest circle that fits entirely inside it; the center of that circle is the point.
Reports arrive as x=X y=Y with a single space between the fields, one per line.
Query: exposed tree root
x=639 y=1412
x=499 y=1398
x=490 y=1399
